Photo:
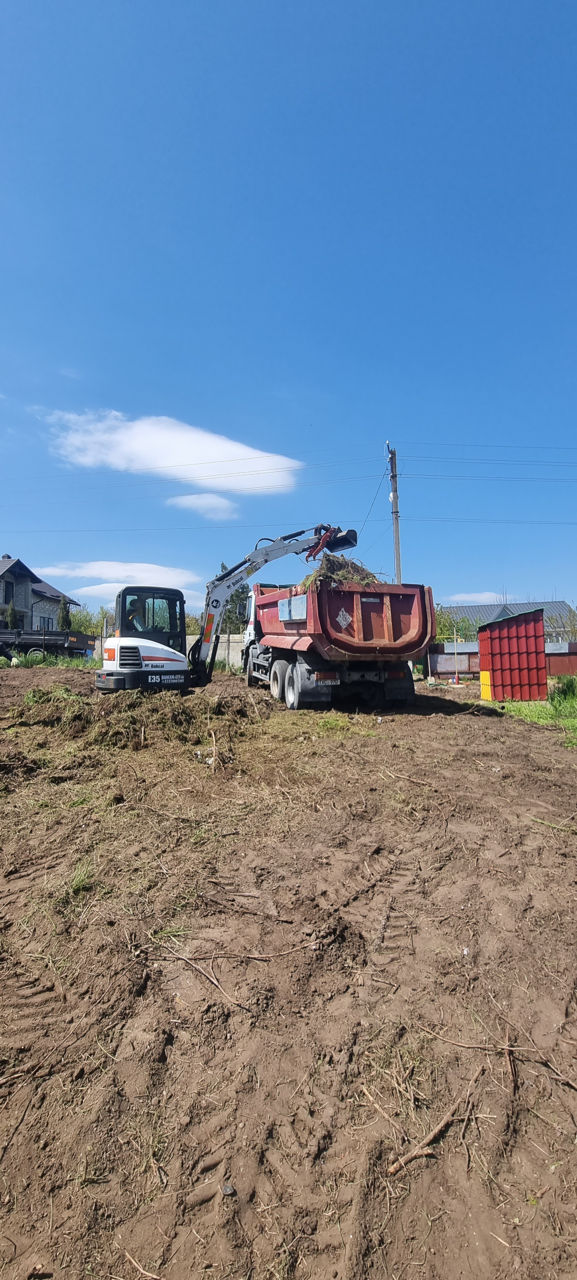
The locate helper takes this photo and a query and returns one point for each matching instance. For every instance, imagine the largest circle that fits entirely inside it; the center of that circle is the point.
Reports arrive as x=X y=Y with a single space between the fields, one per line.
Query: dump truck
x=307 y=643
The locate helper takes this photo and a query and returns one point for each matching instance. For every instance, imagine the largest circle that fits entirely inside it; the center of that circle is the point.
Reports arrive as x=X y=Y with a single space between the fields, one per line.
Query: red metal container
x=512 y=658
x=349 y=622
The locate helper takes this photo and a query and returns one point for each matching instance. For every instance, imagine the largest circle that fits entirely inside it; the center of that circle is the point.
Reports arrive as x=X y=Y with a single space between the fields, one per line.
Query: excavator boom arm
x=218 y=592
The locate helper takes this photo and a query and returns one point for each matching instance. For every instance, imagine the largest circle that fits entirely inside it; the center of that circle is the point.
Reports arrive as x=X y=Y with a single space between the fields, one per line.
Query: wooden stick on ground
x=209 y=977
x=511 y=1062
x=424 y=1148
x=383 y=1113
x=150 y=1274
x=405 y=777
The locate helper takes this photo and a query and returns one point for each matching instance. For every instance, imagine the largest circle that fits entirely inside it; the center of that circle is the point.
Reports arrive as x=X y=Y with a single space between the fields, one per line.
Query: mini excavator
x=148 y=648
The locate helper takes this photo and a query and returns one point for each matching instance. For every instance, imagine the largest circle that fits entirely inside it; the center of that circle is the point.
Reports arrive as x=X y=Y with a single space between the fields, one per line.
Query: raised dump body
x=361 y=638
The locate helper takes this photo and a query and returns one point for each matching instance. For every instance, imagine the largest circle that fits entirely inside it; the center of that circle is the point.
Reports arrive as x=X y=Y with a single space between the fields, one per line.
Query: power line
x=232 y=525
x=485 y=462
x=440 y=475
x=490 y=444
x=482 y=520
x=410 y=475
x=162 y=471
x=377 y=491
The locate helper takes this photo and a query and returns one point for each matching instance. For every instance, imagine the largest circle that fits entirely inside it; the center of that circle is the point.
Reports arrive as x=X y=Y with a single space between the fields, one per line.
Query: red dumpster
x=512 y=658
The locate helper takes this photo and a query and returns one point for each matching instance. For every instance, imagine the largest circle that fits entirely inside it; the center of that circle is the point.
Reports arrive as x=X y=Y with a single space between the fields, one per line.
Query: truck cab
x=148 y=647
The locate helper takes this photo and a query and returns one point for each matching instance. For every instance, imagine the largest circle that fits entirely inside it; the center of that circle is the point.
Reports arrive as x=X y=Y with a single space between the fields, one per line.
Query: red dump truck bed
x=347 y=623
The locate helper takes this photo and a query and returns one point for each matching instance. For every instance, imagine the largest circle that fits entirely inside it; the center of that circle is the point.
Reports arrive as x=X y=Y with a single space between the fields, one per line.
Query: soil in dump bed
x=251 y=959
x=336 y=570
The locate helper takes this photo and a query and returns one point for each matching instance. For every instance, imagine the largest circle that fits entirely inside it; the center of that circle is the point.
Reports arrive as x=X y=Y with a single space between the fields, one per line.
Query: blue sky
x=243 y=244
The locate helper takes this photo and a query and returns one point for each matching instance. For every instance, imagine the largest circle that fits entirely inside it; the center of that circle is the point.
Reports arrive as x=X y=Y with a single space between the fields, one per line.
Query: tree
x=230 y=620
x=192 y=623
x=11 y=618
x=558 y=627
x=446 y=624
x=86 y=621
x=63 y=621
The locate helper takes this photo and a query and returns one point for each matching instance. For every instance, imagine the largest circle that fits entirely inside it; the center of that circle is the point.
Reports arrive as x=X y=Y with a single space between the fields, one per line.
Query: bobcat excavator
x=148 y=648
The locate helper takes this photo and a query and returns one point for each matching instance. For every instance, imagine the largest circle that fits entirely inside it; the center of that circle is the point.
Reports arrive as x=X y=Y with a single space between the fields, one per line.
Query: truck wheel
x=292 y=688
x=249 y=674
x=277 y=679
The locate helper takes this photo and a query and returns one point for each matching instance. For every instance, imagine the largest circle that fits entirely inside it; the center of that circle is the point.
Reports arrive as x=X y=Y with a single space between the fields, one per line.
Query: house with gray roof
x=36 y=602
x=559 y=618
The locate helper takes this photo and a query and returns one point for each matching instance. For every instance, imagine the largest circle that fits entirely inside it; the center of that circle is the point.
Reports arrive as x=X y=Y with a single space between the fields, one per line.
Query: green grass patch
x=52 y=660
x=58 y=693
x=172 y=933
x=231 y=670
x=559 y=712
x=309 y=726
x=332 y=724
x=83 y=878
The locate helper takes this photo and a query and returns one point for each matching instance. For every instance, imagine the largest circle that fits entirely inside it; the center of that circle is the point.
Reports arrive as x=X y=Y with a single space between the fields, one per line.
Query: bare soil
x=283 y=995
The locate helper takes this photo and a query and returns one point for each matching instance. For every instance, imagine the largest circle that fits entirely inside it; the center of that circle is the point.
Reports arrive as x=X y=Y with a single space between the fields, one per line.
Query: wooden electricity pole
x=395 y=510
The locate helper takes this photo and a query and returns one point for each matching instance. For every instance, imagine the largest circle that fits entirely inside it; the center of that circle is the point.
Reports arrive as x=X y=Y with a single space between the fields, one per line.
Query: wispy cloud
x=172 y=450
x=112 y=575
x=477 y=597
x=211 y=505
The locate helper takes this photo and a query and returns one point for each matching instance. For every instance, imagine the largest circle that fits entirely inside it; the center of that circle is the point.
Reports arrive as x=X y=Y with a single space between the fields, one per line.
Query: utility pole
x=394 y=497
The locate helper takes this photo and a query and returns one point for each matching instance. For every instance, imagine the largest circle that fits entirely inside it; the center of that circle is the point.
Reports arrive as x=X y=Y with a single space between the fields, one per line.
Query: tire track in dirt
x=198 y=1137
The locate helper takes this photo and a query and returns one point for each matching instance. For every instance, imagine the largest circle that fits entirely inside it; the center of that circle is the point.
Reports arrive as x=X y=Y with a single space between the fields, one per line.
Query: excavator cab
x=152 y=613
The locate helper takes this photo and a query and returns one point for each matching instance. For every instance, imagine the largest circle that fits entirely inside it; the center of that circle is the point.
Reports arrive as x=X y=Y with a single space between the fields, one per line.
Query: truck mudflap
x=147 y=681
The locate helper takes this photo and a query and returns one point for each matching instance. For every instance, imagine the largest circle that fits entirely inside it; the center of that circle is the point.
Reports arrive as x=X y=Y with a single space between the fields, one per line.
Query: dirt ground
x=283 y=994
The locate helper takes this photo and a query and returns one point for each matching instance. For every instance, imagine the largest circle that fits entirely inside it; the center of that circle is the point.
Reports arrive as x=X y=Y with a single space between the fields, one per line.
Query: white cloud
x=211 y=505
x=477 y=597
x=112 y=575
x=106 y=593
x=172 y=450
x=130 y=572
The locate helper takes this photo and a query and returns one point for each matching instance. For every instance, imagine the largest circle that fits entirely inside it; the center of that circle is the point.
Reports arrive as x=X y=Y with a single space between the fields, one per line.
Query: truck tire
x=277 y=678
x=248 y=674
x=292 y=688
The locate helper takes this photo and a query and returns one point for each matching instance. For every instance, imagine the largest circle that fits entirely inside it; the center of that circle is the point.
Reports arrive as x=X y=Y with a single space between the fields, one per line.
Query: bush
x=564 y=687
x=63 y=620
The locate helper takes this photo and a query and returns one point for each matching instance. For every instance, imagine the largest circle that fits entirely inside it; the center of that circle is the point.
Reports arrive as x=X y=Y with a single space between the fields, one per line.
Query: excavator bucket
x=342 y=539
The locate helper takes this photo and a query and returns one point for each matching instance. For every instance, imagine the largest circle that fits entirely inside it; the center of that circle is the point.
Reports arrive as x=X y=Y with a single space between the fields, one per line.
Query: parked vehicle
x=305 y=644
x=69 y=644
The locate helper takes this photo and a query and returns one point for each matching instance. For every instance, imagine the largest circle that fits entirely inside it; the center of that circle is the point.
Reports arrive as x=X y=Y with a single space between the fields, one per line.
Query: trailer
x=359 y=640
x=69 y=644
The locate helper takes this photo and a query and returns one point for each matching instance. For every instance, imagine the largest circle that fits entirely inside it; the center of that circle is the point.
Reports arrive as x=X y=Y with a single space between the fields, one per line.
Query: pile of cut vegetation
x=133 y=719
x=336 y=570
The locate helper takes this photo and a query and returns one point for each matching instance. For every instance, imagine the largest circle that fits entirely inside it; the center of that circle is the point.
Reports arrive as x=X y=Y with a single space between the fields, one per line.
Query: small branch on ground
x=151 y=1275
x=209 y=976
x=424 y=1148
x=404 y=777
x=397 y=1127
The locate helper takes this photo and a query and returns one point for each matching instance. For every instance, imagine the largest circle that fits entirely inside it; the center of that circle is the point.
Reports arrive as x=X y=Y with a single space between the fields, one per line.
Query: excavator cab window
x=153 y=613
